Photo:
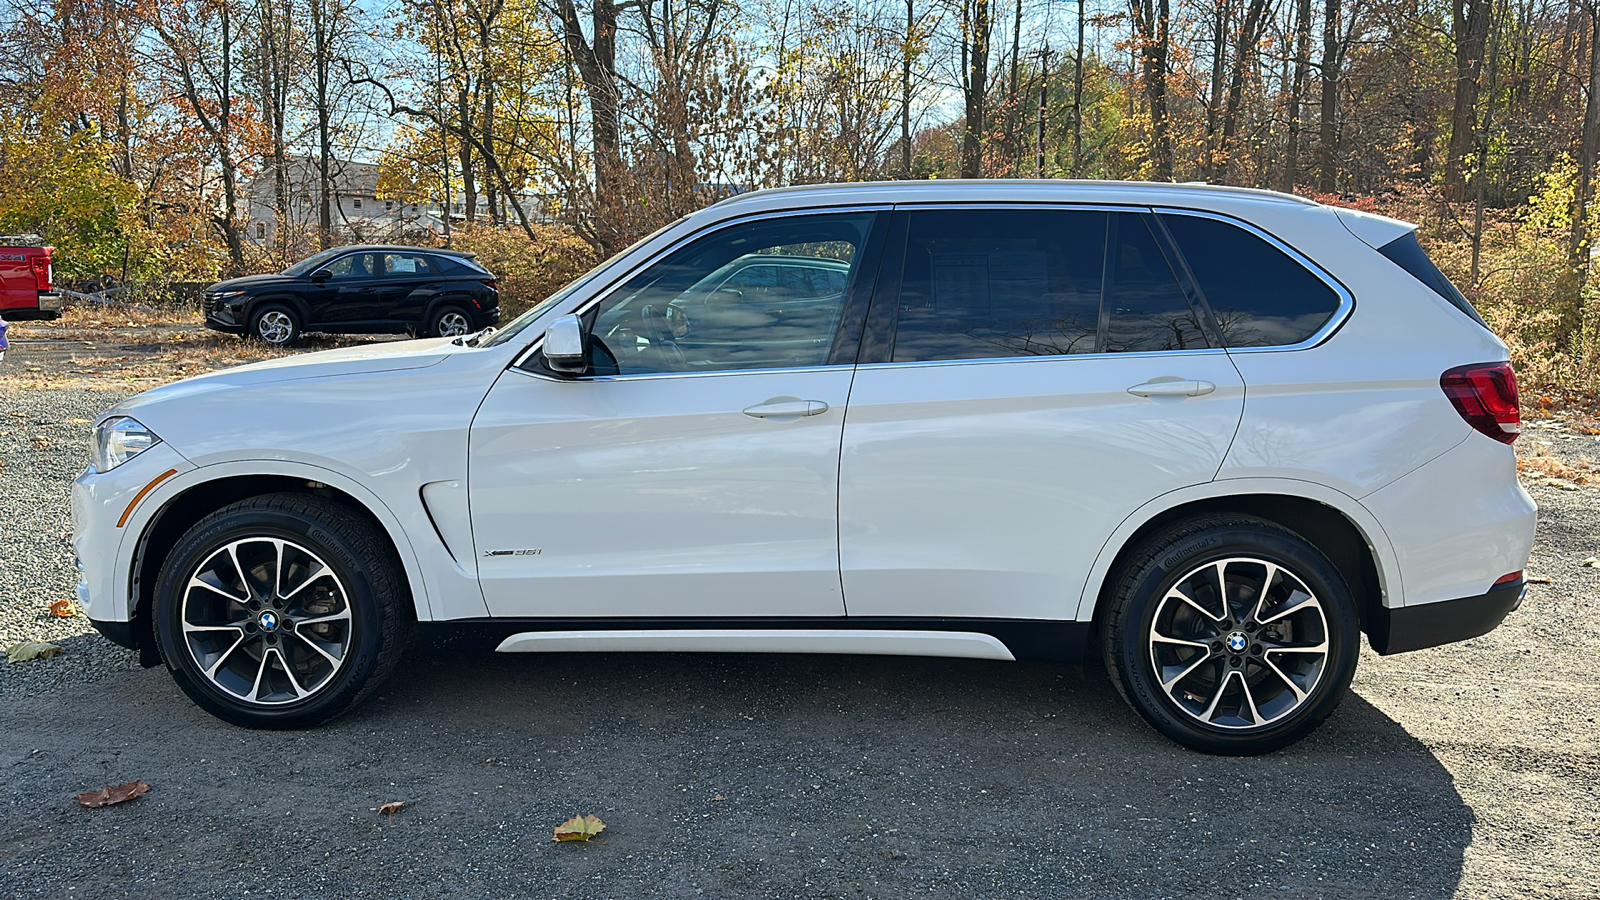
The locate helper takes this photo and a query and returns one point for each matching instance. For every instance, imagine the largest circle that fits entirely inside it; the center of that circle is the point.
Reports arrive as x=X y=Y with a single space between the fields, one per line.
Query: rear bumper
x=49 y=308
x=1433 y=624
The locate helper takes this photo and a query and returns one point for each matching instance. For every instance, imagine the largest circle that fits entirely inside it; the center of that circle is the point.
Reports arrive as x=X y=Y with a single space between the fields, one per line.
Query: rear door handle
x=1172 y=389
x=793 y=408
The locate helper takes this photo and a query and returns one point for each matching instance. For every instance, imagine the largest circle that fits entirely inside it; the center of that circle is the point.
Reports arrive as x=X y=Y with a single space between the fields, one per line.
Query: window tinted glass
x=1408 y=254
x=1145 y=308
x=1000 y=283
x=681 y=314
x=1260 y=296
x=356 y=265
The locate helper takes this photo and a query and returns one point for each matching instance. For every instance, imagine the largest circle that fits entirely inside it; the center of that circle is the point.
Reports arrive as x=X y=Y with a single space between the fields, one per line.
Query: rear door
x=1030 y=377
x=410 y=281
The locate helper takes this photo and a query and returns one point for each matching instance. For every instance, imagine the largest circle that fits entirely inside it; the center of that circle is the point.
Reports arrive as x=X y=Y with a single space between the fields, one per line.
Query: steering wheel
x=656 y=326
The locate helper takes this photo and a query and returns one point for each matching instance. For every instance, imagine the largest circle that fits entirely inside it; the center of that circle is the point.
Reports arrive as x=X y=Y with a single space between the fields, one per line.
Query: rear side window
x=1408 y=254
x=1260 y=296
x=991 y=284
x=1145 y=309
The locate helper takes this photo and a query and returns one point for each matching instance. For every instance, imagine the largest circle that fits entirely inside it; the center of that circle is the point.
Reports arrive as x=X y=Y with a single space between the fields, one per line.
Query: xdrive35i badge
x=533 y=552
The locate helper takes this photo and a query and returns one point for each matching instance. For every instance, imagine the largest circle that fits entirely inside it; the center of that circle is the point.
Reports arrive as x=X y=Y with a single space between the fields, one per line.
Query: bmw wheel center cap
x=1236 y=641
x=268 y=620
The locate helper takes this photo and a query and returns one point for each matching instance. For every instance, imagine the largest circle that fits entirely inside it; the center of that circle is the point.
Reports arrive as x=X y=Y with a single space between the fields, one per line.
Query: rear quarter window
x=1261 y=296
x=1406 y=253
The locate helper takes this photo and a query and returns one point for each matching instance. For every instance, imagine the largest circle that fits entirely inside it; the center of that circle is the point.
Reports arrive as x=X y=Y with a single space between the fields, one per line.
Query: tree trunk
x=1470 y=28
x=1077 y=100
x=321 y=37
x=1152 y=29
x=1244 y=54
x=905 y=91
x=1328 y=169
x=979 y=25
x=1588 y=159
x=1297 y=91
x=597 y=66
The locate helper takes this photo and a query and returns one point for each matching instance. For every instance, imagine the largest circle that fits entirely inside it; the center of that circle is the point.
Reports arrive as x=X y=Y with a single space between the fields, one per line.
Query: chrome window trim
x=583 y=307
x=1347 y=300
x=1058 y=357
x=644 y=376
x=1063 y=205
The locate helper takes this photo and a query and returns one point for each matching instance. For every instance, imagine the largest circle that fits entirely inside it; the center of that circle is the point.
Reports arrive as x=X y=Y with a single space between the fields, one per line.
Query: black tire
x=356 y=608
x=276 y=323
x=1275 y=686
x=450 y=320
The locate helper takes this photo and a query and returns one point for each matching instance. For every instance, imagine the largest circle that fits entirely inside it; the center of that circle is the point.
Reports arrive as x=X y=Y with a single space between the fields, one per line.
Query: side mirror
x=321 y=275
x=564 y=346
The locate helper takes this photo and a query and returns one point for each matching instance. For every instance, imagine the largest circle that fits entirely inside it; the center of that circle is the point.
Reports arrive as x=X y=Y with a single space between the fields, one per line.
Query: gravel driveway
x=1465 y=771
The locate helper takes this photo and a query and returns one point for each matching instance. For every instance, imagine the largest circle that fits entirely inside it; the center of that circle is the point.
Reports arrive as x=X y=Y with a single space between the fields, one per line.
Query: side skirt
x=1021 y=639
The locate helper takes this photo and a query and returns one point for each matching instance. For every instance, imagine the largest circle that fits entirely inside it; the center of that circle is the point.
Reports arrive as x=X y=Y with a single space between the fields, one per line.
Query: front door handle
x=1172 y=389
x=786 y=407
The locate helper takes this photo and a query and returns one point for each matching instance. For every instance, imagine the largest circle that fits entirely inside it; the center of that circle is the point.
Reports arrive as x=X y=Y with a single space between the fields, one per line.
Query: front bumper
x=1433 y=624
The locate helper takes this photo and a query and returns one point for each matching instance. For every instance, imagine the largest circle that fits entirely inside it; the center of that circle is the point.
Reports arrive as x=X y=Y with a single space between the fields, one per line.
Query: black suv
x=360 y=290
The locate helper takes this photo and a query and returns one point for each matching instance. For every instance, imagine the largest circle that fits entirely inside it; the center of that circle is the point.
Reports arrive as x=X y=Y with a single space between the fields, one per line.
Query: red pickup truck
x=26 y=288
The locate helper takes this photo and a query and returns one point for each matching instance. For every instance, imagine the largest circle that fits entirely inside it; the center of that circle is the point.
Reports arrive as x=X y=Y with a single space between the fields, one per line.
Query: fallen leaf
x=40 y=442
x=718 y=798
x=63 y=608
x=392 y=807
x=109 y=796
x=1592 y=562
x=1539 y=579
x=579 y=828
x=31 y=650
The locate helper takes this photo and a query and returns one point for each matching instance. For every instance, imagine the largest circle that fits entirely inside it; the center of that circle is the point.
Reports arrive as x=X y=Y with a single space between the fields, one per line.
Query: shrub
x=527 y=270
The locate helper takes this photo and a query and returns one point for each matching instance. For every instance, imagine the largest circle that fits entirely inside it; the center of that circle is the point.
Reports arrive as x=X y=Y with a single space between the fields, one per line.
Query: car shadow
x=732 y=775
x=919 y=774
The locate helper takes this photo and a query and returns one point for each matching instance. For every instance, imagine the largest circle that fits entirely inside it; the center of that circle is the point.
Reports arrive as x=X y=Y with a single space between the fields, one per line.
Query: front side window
x=1145 y=309
x=1261 y=297
x=694 y=311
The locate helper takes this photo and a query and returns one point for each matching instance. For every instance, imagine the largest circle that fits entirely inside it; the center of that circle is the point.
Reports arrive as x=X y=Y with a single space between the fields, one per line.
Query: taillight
x=1485 y=394
x=493 y=285
x=41 y=273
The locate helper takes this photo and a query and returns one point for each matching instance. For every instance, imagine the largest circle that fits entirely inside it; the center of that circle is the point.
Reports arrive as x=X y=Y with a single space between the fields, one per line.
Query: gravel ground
x=1466 y=771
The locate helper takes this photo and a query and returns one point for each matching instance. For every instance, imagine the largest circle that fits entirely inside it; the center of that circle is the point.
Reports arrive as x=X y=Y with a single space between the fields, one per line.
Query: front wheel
x=280 y=611
x=277 y=325
x=1230 y=634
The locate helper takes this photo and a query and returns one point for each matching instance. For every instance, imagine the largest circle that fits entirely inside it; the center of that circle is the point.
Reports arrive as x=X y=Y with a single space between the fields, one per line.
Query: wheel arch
x=1335 y=523
x=295 y=303
x=200 y=492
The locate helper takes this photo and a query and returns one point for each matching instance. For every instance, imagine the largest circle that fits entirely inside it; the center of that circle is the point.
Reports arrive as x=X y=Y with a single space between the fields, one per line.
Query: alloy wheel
x=1239 y=643
x=275 y=327
x=453 y=324
x=266 y=621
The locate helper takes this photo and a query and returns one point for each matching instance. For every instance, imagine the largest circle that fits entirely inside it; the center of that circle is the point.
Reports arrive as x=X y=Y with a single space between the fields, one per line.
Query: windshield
x=517 y=325
x=313 y=262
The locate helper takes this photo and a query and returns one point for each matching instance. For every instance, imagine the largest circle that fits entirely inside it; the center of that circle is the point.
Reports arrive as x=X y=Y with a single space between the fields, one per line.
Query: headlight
x=118 y=440
x=227 y=295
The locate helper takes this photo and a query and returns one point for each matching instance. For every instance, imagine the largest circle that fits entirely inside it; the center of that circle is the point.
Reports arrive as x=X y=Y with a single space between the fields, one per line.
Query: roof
x=1007 y=190
x=407 y=248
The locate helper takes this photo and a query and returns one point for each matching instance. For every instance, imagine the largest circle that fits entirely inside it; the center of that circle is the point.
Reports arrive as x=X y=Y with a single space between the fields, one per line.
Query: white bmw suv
x=1209 y=435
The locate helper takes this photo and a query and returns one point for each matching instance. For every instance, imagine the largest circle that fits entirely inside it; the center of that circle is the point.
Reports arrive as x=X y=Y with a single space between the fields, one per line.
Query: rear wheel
x=1231 y=634
x=280 y=611
x=450 y=321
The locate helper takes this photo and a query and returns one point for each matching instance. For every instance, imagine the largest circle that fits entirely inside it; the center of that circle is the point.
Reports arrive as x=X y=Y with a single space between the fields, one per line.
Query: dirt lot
x=1468 y=771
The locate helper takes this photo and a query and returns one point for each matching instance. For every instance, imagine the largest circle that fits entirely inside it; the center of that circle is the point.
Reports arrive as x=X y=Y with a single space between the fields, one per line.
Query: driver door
x=693 y=470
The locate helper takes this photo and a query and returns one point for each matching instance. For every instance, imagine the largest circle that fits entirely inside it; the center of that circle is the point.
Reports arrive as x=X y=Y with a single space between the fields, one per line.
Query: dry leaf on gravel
x=392 y=807
x=579 y=828
x=1592 y=562
x=31 y=650
x=110 y=796
x=63 y=608
x=40 y=442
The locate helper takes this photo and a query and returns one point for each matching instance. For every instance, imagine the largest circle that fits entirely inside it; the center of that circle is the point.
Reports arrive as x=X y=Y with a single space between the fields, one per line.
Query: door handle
x=1172 y=389
x=786 y=407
